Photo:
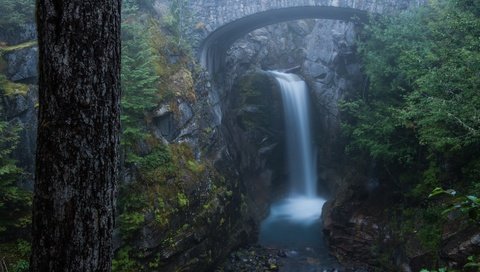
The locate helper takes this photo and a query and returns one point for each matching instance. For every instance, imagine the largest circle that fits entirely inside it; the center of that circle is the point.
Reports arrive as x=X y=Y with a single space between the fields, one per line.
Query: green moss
x=11 y=88
x=158 y=166
x=11 y=48
x=182 y=200
x=195 y=167
x=431 y=179
x=159 y=194
x=124 y=262
x=131 y=222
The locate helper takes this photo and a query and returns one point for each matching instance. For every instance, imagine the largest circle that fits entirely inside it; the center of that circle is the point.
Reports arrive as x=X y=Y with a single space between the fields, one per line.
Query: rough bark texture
x=77 y=146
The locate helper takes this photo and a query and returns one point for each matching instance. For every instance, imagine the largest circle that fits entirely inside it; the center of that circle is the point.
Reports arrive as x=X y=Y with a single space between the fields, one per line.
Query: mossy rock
x=10 y=88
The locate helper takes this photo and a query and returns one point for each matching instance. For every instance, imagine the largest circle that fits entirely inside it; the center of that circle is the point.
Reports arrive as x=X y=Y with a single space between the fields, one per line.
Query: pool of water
x=294 y=225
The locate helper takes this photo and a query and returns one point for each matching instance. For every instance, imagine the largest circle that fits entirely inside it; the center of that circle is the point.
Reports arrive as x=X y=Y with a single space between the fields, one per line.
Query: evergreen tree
x=423 y=69
x=139 y=80
x=14 y=14
x=14 y=201
x=419 y=117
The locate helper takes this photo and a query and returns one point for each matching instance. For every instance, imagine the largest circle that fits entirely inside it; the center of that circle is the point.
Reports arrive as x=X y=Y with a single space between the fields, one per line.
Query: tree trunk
x=77 y=146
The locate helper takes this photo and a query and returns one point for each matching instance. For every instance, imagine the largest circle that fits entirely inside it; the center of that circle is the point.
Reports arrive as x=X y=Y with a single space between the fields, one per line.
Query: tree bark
x=78 y=132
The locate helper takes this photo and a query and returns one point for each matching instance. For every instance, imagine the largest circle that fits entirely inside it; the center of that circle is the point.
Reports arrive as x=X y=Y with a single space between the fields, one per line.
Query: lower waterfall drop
x=294 y=222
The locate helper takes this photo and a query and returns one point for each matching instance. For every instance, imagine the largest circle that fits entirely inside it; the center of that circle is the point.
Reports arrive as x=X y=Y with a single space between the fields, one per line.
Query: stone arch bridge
x=224 y=21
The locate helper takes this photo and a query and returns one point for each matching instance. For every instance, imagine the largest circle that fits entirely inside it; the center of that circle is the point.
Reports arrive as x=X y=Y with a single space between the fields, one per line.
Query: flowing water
x=294 y=222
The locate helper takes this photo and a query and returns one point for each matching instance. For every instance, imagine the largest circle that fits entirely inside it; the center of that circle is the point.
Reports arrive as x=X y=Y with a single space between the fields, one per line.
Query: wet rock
x=22 y=64
x=282 y=254
x=185 y=114
x=252 y=259
x=458 y=246
x=352 y=225
x=257 y=258
x=24 y=33
x=163 y=126
x=316 y=70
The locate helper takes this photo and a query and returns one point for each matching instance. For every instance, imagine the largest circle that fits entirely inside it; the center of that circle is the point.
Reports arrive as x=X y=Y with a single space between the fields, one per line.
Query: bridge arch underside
x=214 y=47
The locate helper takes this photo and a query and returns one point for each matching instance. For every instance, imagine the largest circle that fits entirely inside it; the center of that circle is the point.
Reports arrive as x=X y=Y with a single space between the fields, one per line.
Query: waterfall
x=300 y=152
x=294 y=222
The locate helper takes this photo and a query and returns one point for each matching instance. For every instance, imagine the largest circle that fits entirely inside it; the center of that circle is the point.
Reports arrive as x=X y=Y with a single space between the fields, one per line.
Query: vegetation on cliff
x=15 y=201
x=161 y=175
x=419 y=118
x=15 y=15
x=169 y=193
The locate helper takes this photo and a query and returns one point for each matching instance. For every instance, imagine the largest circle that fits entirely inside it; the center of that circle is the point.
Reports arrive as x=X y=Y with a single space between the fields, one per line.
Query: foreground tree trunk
x=76 y=164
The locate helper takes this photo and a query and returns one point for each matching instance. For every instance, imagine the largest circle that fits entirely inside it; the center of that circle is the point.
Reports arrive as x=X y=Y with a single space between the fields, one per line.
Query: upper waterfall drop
x=300 y=150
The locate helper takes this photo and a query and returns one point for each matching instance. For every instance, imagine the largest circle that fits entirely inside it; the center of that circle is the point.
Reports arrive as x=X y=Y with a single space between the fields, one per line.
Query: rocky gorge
x=216 y=140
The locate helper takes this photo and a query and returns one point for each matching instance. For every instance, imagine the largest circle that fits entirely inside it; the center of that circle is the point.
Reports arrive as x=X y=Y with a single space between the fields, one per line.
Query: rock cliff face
x=20 y=34
x=323 y=52
x=22 y=64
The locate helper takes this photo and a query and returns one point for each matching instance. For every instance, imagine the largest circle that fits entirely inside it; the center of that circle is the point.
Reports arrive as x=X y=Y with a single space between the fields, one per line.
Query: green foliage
x=123 y=261
x=132 y=208
x=131 y=221
x=139 y=79
x=160 y=156
x=10 y=88
x=430 y=179
x=146 y=73
x=182 y=200
x=195 y=167
x=163 y=181
x=375 y=128
x=15 y=202
x=177 y=22
x=146 y=80
x=472 y=262
x=423 y=69
x=16 y=13
x=419 y=117
x=16 y=255
x=469 y=205
x=158 y=166
x=23 y=250
x=161 y=199
x=422 y=102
